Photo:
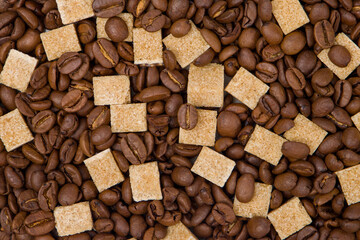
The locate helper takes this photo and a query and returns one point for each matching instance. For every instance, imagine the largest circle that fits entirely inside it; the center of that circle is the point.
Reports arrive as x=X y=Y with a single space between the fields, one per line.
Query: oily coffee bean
x=105 y=53
x=187 y=116
x=116 y=29
x=173 y=80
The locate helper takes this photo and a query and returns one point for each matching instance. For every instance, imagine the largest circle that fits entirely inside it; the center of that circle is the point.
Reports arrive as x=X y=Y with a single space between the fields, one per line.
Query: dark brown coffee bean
x=324 y=183
x=68 y=194
x=173 y=80
x=105 y=53
x=133 y=148
x=47 y=196
x=228 y=124
x=293 y=43
x=272 y=33
x=153 y=20
x=154 y=93
x=324 y=34
x=245 y=188
x=339 y=55
x=223 y=214
x=116 y=29
x=285 y=181
x=108 y=8
x=73 y=101
x=187 y=116
x=295 y=78
x=177 y=9
x=39 y=223
x=258 y=227
x=182 y=176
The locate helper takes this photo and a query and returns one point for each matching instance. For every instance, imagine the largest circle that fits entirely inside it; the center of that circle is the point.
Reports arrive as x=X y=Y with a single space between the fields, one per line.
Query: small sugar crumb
x=213 y=166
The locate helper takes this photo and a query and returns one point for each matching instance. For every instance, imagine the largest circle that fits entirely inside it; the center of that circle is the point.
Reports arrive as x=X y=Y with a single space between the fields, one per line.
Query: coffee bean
x=295 y=150
x=324 y=34
x=245 y=188
x=105 y=53
x=108 y=8
x=285 y=181
x=228 y=124
x=133 y=148
x=187 y=116
x=39 y=223
x=116 y=29
x=153 y=20
x=173 y=80
x=339 y=55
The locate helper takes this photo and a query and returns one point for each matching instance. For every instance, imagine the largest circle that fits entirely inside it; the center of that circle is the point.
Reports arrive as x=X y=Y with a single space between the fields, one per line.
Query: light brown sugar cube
x=204 y=132
x=147 y=47
x=247 y=88
x=349 y=179
x=356 y=120
x=74 y=10
x=179 y=232
x=103 y=170
x=206 y=85
x=128 y=19
x=73 y=219
x=128 y=118
x=289 y=218
x=17 y=70
x=354 y=50
x=13 y=130
x=265 y=145
x=59 y=41
x=307 y=132
x=145 y=182
x=111 y=90
x=289 y=14
x=187 y=48
x=259 y=204
x=213 y=166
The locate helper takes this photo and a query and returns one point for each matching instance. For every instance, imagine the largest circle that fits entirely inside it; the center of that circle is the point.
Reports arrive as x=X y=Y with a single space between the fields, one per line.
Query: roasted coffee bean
x=339 y=55
x=105 y=53
x=324 y=34
x=245 y=188
x=133 y=148
x=74 y=101
x=154 y=93
x=228 y=124
x=153 y=20
x=116 y=29
x=293 y=43
x=108 y=8
x=39 y=223
x=177 y=9
x=173 y=80
x=187 y=116
x=295 y=150
x=258 y=227
x=47 y=196
x=285 y=181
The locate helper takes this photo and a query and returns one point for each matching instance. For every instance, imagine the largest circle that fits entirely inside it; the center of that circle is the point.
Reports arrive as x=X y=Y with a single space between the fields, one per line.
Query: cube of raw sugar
x=179 y=232
x=206 y=85
x=289 y=14
x=103 y=170
x=73 y=219
x=204 y=132
x=356 y=120
x=247 y=88
x=17 y=70
x=74 y=10
x=289 y=218
x=145 y=182
x=213 y=166
x=111 y=90
x=305 y=131
x=265 y=145
x=13 y=130
x=59 y=41
x=349 y=179
x=147 y=47
x=354 y=50
x=259 y=204
x=128 y=118
x=128 y=19
x=187 y=48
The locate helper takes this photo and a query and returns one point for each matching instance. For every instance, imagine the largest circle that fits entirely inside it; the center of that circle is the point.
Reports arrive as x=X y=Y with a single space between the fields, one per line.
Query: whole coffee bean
x=28 y=17
x=272 y=33
x=177 y=9
x=47 y=196
x=293 y=43
x=223 y=213
x=109 y=196
x=173 y=80
x=266 y=72
x=324 y=34
x=169 y=60
x=245 y=188
x=258 y=227
x=324 y=183
x=295 y=150
x=27 y=200
x=269 y=105
x=343 y=93
x=68 y=194
x=265 y=10
x=153 y=20
x=39 y=223
x=108 y=8
x=339 y=55
x=133 y=148
x=104 y=225
x=154 y=93
x=180 y=28
x=116 y=29
x=285 y=181
x=105 y=53
x=73 y=101
x=228 y=124
x=182 y=176
x=187 y=116
x=295 y=78
x=43 y=121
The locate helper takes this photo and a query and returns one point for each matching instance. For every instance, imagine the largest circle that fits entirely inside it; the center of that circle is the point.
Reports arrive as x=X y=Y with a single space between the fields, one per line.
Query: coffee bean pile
x=58 y=107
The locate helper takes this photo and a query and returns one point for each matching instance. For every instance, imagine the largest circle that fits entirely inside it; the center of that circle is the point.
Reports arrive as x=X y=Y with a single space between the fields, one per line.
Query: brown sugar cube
x=13 y=130
x=259 y=204
x=356 y=120
x=59 y=41
x=289 y=218
x=204 y=132
x=73 y=219
x=179 y=232
x=349 y=179
x=128 y=118
x=213 y=166
x=265 y=145
x=354 y=50
x=289 y=14
x=103 y=170
x=17 y=70
x=145 y=182
x=307 y=132
x=74 y=10
x=247 y=88
x=147 y=47
x=111 y=90
x=128 y=19
x=206 y=85
x=187 y=48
